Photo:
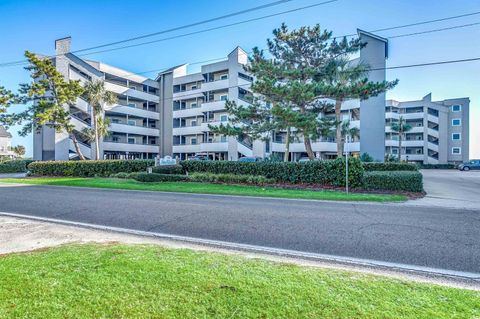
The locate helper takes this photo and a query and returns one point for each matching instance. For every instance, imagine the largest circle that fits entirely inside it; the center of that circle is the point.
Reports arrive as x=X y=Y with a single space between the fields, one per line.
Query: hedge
x=168 y=169
x=330 y=172
x=409 y=181
x=389 y=167
x=102 y=168
x=153 y=177
x=230 y=178
x=14 y=166
x=437 y=166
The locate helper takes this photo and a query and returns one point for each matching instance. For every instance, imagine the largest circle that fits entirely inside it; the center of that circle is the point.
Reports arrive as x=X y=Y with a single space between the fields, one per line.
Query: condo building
x=171 y=114
x=439 y=130
x=5 y=144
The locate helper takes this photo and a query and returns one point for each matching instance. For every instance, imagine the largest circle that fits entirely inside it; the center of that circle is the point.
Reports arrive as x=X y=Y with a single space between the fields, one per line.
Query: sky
x=34 y=26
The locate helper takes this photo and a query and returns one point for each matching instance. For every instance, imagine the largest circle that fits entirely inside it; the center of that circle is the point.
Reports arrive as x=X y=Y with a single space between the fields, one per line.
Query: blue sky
x=34 y=25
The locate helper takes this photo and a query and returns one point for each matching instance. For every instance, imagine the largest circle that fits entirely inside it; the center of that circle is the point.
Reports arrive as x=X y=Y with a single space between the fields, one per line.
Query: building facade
x=171 y=115
x=439 y=131
x=5 y=143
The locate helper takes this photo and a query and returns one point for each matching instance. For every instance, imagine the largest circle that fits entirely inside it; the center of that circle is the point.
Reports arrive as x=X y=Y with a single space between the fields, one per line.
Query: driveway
x=450 y=188
x=12 y=175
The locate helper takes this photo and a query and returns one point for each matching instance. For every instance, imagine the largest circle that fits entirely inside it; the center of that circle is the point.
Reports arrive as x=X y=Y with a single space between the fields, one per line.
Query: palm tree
x=346 y=130
x=19 y=150
x=102 y=126
x=98 y=97
x=401 y=127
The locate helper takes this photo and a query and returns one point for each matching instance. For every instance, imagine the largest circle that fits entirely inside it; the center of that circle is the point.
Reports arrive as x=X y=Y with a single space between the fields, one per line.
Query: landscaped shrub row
x=408 y=181
x=154 y=177
x=314 y=172
x=88 y=168
x=168 y=169
x=373 y=166
x=14 y=166
x=437 y=166
x=230 y=178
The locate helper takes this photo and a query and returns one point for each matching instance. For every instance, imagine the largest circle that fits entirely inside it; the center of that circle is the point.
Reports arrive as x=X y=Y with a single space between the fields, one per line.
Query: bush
x=230 y=178
x=120 y=175
x=313 y=172
x=366 y=158
x=14 y=166
x=102 y=168
x=168 y=169
x=389 y=167
x=409 y=181
x=437 y=166
x=154 y=178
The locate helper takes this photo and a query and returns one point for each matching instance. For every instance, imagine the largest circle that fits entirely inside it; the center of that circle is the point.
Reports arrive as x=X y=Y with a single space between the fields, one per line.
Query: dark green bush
x=410 y=181
x=314 y=172
x=14 y=166
x=437 y=166
x=230 y=178
x=389 y=167
x=168 y=169
x=88 y=168
x=120 y=175
x=153 y=178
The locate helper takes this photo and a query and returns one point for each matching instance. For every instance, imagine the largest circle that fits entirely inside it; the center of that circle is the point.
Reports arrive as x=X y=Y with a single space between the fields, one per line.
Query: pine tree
x=48 y=96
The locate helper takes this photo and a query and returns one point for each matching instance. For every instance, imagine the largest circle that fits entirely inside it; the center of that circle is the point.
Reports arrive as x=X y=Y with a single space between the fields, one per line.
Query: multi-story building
x=5 y=143
x=135 y=120
x=171 y=115
x=439 y=130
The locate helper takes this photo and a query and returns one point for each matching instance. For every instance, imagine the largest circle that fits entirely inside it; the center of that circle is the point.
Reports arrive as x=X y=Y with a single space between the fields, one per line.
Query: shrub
x=14 y=166
x=102 y=168
x=366 y=158
x=410 y=181
x=437 y=166
x=230 y=178
x=168 y=169
x=389 y=167
x=153 y=177
x=313 y=172
x=120 y=175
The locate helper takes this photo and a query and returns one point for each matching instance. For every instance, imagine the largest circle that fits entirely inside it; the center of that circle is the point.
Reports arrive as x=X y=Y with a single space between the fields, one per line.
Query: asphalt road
x=438 y=237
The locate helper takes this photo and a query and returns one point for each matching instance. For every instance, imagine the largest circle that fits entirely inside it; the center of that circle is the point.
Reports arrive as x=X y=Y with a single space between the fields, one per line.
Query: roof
x=4 y=132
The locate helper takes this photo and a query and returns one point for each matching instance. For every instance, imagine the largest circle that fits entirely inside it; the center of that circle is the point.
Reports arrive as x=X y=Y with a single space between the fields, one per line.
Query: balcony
x=123 y=90
x=189 y=93
x=132 y=129
x=186 y=148
x=196 y=111
x=215 y=85
x=187 y=130
x=213 y=106
x=413 y=143
x=214 y=146
x=123 y=109
x=125 y=147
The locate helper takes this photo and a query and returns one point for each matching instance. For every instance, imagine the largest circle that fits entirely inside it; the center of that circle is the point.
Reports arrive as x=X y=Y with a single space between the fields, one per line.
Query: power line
x=181 y=35
x=275 y=3
x=420 y=23
x=435 y=30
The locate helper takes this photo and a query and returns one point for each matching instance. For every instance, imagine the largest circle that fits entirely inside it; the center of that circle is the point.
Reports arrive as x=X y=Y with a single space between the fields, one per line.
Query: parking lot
x=451 y=188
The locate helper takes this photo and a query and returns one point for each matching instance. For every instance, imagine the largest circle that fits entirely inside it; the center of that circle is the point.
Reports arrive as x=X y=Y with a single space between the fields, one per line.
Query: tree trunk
x=287 y=146
x=308 y=148
x=338 y=119
x=77 y=147
x=95 y=131
x=400 y=146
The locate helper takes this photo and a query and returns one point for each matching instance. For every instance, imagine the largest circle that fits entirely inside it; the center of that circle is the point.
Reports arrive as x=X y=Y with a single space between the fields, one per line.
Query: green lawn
x=204 y=188
x=120 y=281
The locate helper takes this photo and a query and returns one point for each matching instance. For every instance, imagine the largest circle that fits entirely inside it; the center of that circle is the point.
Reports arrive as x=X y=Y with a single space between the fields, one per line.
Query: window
x=456 y=122
x=132 y=122
x=223 y=138
x=194 y=123
x=456 y=108
x=194 y=141
x=193 y=105
x=223 y=97
x=456 y=136
x=131 y=140
x=223 y=118
x=194 y=87
x=132 y=105
x=456 y=150
x=133 y=87
x=115 y=139
x=224 y=77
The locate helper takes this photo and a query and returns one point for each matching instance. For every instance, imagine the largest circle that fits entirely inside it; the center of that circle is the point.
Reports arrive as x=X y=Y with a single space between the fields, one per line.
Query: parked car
x=472 y=164
x=250 y=159
x=303 y=159
x=199 y=158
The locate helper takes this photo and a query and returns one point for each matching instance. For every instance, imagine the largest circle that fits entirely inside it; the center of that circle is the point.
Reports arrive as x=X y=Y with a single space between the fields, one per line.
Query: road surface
x=443 y=238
